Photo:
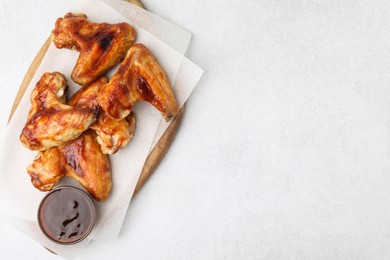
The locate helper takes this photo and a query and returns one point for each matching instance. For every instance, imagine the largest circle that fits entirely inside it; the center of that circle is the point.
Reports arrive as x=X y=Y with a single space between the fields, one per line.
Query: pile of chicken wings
x=74 y=137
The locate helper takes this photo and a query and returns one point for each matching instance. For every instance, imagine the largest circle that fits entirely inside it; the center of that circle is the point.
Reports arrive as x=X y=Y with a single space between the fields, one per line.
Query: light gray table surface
x=284 y=149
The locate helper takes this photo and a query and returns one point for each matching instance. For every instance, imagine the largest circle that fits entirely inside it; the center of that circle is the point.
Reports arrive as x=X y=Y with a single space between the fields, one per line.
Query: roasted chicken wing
x=111 y=134
x=50 y=122
x=102 y=46
x=139 y=77
x=81 y=159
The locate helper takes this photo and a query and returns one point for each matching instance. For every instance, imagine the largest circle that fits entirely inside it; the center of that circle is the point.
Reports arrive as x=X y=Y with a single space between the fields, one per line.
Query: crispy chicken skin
x=102 y=46
x=111 y=134
x=81 y=159
x=139 y=77
x=50 y=122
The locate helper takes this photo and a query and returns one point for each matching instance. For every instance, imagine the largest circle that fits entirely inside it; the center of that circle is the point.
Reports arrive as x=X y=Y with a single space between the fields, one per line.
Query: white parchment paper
x=20 y=200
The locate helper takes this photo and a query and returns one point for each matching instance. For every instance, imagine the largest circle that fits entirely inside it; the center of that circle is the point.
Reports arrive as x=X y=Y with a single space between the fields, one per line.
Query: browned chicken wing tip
x=139 y=77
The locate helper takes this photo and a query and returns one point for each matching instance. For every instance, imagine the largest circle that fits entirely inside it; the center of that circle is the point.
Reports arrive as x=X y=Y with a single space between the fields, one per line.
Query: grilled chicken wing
x=50 y=122
x=102 y=46
x=81 y=159
x=111 y=134
x=139 y=77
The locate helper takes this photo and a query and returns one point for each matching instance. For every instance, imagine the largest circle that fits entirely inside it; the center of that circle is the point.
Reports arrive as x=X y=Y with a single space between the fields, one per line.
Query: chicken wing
x=81 y=159
x=111 y=134
x=50 y=122
x=139 y=77
x=102 y=46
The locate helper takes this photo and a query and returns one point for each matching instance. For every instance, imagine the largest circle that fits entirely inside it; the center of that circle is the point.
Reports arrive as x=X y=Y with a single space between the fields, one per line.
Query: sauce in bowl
x=66 y=215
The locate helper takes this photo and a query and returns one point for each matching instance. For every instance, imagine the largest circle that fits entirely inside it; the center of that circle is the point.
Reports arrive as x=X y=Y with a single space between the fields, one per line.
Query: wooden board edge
x=159 y=150
x=136 y=2
x=29 y=75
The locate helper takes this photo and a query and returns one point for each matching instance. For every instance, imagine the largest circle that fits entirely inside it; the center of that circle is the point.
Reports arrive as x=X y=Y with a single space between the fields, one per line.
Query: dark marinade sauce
x=66 y=215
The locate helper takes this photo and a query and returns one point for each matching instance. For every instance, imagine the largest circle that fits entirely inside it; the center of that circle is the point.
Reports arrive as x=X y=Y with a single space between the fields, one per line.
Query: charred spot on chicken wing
x=101 y=45
x=81 y=159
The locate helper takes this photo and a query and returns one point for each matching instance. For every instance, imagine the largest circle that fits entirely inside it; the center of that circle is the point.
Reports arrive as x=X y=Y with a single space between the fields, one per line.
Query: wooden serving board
x=158 y=152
